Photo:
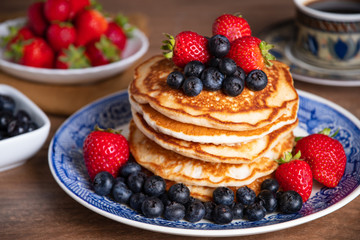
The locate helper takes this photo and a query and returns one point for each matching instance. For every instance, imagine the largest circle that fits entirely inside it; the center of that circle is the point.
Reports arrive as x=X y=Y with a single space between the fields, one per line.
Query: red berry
x=102 y=52
x=72 y=58
x=295 y=175
x=61 y=35
x=76 y=6
x=36 y=18
x=105 y=151
x=231 y=26
x=326 y=157
x=116 y=34
x=90 y=25
x=250 y=53
x=186 y=47
x=57 y=10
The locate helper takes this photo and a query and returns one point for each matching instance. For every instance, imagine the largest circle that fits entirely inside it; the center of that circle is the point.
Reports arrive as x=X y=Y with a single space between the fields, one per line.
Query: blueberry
x=135 y=181
x=175 y=79
x=23 y=116
x=245 y=195
x=223 y=195
x=255 y=212
x=222 y=214
x=179 y=193
x=214 y=62
x=192 y=86
x=212 y=79
x=240 y=73
x=219 y=45
x=32 y=126
x=136 y=201
x=270 y=184
x=103 y=183
x=290 y=202
x=174 y=211
x=195 y=211
x=16 y=127
x=121 y=193
x=256 y=80
x=165 y=199
x=152 y=207
x=191 y=201
x=232 y=86
x=194 y=68
x=129 y=168
x=5 y=118
x=154 y=186
x=227 y=66
x=7 y=103
x=209 y=208
x=268 y=200
x=238 y=210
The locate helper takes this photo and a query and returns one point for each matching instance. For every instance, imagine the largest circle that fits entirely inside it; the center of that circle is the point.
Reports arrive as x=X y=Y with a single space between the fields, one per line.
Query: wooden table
x=33 y=206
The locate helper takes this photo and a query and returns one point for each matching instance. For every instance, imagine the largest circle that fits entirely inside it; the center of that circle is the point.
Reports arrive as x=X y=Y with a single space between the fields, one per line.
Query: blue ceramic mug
x=328 y=33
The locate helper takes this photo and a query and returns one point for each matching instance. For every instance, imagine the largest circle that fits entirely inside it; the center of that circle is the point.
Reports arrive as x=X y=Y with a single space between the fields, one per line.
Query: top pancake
x=249 y=110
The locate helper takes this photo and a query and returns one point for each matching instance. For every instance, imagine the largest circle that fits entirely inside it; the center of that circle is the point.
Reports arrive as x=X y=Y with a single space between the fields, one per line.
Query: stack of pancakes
x=210 y=140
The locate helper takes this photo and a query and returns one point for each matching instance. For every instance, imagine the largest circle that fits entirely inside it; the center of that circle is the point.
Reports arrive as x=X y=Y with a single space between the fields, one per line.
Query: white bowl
x=14 y=151
x=135 y=48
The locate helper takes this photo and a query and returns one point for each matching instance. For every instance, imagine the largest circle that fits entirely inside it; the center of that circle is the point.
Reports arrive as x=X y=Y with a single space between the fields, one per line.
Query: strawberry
x=36 y=18
x=231 y=26
x=76 y=6
x=61 y=35
x=250 y=53
x=34 y=52
x=72 y=58
x=325 y=155
x=102 y=52
x=90 y=25
x=117 y=31
x=294 y=174
x=57 y=10
x=187 y=46
x=17 y=34
x=105 y=151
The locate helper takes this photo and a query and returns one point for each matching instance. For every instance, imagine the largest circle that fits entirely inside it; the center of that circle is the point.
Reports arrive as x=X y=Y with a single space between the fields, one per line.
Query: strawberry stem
x=168 y=46
x=264 y=48
x=288 y=157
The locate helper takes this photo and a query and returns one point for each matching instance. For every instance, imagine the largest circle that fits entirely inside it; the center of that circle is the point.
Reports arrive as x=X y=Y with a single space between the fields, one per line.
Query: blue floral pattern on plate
x=67 y=166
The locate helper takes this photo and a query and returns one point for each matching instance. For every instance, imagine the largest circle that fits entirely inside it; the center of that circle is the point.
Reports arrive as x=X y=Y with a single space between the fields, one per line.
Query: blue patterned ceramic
x=282 y=36
x=328 y=39
x=67 y=166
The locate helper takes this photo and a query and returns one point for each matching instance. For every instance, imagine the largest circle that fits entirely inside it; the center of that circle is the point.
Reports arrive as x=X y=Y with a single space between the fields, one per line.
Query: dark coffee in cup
x=333 y=6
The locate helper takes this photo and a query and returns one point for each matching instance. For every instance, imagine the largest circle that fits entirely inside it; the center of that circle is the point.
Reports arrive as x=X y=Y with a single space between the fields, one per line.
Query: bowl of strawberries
x=69 y=42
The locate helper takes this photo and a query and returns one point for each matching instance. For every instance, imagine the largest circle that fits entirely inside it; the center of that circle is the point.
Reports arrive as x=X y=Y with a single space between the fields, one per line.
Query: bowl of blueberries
x=24 y=127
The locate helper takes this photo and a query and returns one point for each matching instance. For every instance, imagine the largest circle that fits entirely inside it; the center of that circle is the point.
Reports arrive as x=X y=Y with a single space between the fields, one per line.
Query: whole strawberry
x=231 y=26
x=90 y=25
x=325 y=155
x=72 y=58
x=187 y=46
x=118 y=31
x=61 y=35
x=250 y=53
x=33 y=52
x=102 y=52
x=76 y=6
x=36 y=18
x=294 y=174
x=57 y=10
x=17 y=34
x=105 y=151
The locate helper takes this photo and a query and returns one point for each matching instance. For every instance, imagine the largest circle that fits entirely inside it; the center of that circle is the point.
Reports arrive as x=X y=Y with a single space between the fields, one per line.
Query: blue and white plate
x=315 y=113
x=282 y=36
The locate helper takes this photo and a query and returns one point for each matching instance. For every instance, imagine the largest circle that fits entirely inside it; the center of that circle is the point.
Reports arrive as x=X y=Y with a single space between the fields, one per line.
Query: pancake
x=175 y=167
x=237 y=153
x=249 y=110
x=195 y=133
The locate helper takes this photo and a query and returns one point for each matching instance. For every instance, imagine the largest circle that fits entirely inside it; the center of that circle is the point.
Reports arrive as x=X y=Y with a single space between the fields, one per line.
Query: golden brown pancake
x=245 y=152
x=175 y=167
x=248 y=111
x=195 y=133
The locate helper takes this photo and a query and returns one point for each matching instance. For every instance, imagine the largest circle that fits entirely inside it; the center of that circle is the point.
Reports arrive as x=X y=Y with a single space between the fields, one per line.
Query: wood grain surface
x=33 y=206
